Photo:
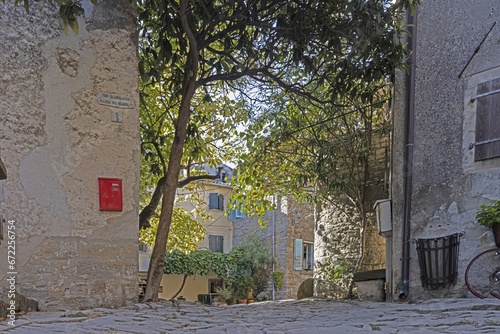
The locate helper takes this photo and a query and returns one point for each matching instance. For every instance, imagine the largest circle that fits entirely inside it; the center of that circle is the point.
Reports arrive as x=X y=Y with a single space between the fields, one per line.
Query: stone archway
x=306 y=289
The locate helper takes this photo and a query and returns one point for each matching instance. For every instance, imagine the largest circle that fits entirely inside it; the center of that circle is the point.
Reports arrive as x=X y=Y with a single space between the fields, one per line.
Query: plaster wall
x=56 y=141
x=193 y=286
x=447 y=186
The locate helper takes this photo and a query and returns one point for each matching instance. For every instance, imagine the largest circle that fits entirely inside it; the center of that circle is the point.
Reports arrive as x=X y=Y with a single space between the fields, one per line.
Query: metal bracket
x=471 y=145
x=474 y=98
x=2 y=222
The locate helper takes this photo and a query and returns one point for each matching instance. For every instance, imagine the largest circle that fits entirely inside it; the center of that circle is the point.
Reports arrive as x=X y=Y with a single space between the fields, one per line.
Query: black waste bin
x=438 y=260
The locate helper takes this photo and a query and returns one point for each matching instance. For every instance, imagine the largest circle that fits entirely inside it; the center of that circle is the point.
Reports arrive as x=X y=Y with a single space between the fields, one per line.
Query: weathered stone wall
x=291 y=220
x=448 y=186
x=339 y=226
x=56 y=141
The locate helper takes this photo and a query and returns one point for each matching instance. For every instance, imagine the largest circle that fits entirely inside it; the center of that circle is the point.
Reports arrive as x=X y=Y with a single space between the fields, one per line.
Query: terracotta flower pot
x=242 y=301
x=496 y=233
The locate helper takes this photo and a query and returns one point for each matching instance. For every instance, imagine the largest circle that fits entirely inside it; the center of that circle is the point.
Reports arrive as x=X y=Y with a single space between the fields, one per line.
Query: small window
x=303 y=255
x=216 y=201
x=237 y=213
x=213 y=284
x=308 y=256
x=216 y=243
x=143 y=247
x=487 y=141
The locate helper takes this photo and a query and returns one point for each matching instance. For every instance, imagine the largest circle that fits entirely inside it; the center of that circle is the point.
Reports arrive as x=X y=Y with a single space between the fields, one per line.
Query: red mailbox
x=110 y=194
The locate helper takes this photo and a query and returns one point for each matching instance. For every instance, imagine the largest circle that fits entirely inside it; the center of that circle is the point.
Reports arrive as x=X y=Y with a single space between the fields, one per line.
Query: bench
x=370 y=285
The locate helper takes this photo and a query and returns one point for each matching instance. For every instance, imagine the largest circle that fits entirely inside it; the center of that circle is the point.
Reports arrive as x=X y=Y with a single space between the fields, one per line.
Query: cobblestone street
x=292 y=316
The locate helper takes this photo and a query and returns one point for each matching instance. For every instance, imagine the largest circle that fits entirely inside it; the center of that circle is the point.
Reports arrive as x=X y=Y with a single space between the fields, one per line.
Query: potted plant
x=488 y=215
x=223 y=296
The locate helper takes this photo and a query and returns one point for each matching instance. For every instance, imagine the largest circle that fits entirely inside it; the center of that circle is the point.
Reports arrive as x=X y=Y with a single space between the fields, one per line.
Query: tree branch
x=149 y=210
x=190 y=179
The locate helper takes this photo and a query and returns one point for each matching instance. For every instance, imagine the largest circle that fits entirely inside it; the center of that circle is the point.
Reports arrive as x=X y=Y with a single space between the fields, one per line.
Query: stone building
x=290 y=234
x=440 y=175
x=70 y=145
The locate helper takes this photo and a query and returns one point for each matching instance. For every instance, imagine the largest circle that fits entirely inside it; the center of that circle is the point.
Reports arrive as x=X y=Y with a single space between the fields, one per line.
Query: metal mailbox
x=110 y=194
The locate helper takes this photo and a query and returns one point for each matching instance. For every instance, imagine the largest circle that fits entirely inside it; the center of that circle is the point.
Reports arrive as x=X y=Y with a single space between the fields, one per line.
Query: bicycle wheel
x=483 y=274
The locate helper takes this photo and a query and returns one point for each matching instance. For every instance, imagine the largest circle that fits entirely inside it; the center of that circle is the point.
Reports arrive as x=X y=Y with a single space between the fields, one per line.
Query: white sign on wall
x=115 y=100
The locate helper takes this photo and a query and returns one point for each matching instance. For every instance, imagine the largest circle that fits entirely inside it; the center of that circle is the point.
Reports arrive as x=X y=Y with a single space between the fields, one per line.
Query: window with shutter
x=487 y=141
x=216 y=243
x=216 y=201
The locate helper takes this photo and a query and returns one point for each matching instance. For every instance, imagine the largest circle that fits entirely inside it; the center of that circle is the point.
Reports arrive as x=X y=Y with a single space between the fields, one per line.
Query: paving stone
x=283 y=317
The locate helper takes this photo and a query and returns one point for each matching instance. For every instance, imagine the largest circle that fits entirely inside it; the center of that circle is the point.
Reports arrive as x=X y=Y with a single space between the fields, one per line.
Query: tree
x=258 y=49
x=316 y=153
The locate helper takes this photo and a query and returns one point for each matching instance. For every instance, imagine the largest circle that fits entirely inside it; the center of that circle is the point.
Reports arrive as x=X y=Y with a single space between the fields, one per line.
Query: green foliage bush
x=278 y=279
x=489 y=214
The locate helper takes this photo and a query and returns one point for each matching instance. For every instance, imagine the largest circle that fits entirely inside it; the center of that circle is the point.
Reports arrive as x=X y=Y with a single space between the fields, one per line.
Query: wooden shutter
x=487 y=121
x=297 y=254
x=213 y=201
x=220 y=204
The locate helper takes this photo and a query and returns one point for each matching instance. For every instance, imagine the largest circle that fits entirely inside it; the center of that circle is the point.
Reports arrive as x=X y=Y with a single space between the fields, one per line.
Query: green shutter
x=297 y=254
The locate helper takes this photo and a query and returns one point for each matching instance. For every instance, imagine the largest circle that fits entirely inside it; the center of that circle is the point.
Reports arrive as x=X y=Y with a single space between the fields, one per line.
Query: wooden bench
x=370 y=285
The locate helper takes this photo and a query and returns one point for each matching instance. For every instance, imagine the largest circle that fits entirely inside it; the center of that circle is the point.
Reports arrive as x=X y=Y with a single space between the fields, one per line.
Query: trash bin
x=438 y=260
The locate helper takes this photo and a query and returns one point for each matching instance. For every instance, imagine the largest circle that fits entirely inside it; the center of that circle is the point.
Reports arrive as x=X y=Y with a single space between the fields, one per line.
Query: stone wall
x=291 y=220
x=56 y=141
x=448 y=186
x=339 y=246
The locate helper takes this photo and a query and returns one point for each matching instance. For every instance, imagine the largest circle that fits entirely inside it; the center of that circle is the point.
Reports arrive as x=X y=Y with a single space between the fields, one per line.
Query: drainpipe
x=408 y=159
x=273 y=241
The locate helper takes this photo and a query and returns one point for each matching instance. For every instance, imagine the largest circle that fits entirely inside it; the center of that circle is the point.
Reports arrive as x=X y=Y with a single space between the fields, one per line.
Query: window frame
x=220 y=201
x=308 y=257
x=215 y=235
x=469 y=163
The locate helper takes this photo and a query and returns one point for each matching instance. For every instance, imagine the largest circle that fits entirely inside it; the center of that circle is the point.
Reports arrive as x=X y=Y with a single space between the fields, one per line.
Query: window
x=213 y=284
x=487 y=140
x=308 y=263
x=216 y=201
x=237 y=213
x=216 y=243
x=143 y=247
x=303 y=255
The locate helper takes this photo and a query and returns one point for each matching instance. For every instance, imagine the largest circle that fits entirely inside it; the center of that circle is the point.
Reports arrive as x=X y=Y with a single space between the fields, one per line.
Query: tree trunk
x=155 y=272
x=180 y=289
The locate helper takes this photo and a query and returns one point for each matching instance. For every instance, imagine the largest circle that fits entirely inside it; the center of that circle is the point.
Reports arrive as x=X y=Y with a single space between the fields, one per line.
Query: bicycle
x=482 y=275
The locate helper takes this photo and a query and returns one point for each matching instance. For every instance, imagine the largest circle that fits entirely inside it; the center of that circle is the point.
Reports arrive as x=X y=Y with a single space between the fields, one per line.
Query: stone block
x=371 y=290
x=98 y=250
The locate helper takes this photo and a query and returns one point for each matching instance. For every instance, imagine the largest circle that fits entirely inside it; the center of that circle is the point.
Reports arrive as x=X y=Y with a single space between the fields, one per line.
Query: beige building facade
x=70 y=146
x=218 y=235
